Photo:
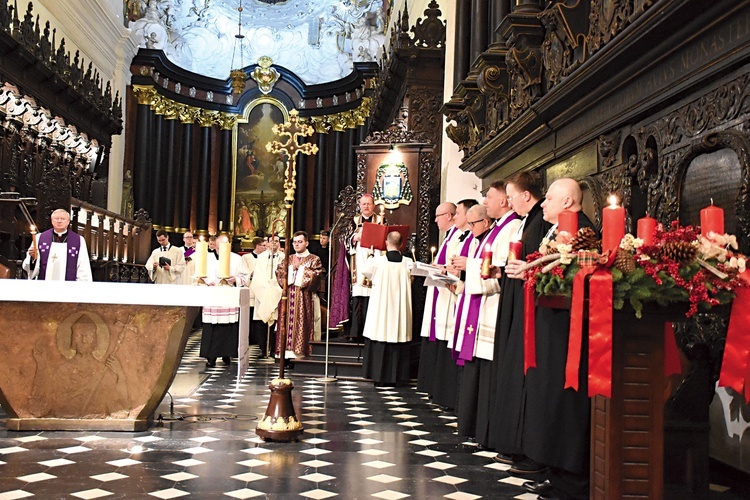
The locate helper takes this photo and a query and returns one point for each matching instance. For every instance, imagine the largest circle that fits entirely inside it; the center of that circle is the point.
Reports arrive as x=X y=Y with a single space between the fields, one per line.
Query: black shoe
x=210 y=362
x=226 y=360
x=525 y=467
x=503 y=459
x=538 y=488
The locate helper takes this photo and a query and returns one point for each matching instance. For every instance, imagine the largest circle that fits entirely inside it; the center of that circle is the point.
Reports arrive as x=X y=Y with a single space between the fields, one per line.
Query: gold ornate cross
x=293 y=130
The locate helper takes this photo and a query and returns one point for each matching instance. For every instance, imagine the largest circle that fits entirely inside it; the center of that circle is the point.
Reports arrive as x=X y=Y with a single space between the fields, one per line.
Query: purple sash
x=441 y=257
x=475 y=301
x=74 y=246
x=464 y=253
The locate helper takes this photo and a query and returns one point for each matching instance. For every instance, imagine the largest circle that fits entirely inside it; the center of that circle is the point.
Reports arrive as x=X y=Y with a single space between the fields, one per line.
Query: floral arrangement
x=679 y=265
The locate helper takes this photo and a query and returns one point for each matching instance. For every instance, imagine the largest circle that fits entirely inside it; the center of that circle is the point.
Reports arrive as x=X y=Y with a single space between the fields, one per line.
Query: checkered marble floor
x=359 y=442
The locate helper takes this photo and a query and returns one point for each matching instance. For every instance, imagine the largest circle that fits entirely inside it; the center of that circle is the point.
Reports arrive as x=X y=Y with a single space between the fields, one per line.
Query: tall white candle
x=200 y=256
x=225 y=250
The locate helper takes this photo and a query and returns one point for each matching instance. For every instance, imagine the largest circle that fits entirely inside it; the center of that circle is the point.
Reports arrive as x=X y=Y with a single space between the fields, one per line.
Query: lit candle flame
x=712 y=201
x=613 y=201
x=432 y=249
x=33 y=228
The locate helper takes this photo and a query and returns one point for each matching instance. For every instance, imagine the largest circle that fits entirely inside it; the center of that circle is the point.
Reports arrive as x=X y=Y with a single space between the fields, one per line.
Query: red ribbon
x=671 y=353
x=529 y=329
x=735 y=368
x=575 y=335
x=600 y=333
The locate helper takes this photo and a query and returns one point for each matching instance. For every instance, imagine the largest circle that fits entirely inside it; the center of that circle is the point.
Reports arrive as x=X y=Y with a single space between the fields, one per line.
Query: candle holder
x=199 y=281
x=224 y=282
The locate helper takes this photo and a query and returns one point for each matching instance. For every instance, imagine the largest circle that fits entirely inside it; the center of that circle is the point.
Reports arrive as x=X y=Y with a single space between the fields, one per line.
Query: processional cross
x=280 y=423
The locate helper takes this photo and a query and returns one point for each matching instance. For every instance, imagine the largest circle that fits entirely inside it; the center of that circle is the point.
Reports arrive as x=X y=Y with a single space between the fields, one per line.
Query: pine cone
x=679 y=251
x=624 y=261
x=585 y=239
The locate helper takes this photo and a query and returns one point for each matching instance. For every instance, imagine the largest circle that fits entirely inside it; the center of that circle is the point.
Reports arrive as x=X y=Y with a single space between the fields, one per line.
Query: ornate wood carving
x=563 y=49
x=525 y=70
x=607 y=19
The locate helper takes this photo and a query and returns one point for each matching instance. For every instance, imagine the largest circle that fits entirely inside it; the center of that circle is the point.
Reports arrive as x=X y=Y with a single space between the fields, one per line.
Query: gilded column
x=158 y=167
x=206 y=120
x=184 y=196
x=226 y=122
x=141 y=177
x=171 y=157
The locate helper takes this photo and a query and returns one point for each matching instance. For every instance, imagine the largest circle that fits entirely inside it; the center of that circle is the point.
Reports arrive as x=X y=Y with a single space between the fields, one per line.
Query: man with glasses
x=507 y=396
x=438 y=302
x=445 y=373
x=477 y=310
x=59 y=253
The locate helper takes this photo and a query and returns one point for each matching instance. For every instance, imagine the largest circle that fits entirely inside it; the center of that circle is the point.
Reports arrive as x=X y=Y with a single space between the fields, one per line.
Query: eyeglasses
x=510 y=198
x=440 y=215
x=472 y=222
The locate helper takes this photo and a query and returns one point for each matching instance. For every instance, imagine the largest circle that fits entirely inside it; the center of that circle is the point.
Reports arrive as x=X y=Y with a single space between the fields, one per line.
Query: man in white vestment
x=166 y=264
x=361 y=284
x=221 y=324
x=187 y=251
x=58 y=253
x=250 y=259
x=388 y=326
x=438 y=301
x=267 y=293
x=476 y=311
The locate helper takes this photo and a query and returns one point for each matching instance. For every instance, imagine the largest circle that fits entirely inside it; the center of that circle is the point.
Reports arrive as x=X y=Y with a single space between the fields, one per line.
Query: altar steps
x=344 y=361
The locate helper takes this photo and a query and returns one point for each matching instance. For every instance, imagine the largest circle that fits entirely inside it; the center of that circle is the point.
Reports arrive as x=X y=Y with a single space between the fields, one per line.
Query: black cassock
x=507 y=392
x=556 y=421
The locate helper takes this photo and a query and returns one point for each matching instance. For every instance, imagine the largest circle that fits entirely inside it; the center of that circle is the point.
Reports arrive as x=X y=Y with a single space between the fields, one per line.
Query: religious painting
x=259 y=174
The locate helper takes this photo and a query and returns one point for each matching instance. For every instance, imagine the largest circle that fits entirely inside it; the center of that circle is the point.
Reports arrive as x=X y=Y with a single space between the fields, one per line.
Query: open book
x=373 y=235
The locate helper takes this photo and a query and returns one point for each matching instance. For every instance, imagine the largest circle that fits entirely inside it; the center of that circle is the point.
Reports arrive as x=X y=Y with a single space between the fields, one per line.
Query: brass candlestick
x=280 y=422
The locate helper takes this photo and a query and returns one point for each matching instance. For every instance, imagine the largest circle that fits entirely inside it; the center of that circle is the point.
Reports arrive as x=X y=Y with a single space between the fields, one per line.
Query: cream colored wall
x=95 y=27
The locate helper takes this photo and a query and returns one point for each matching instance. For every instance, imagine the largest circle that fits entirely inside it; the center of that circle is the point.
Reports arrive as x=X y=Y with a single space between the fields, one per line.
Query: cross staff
x=293 y=130
x=280 y=422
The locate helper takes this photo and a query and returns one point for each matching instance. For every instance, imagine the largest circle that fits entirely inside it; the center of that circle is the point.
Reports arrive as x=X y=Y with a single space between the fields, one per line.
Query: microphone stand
x=326 y=378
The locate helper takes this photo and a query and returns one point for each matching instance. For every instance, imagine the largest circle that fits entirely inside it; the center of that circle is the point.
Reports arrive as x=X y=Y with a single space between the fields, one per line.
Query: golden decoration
x=265 y=75
x=188 y=114
x=226 y=121
x=270 y=423
x=144 y=93
x=207 y=118
x=237 y=79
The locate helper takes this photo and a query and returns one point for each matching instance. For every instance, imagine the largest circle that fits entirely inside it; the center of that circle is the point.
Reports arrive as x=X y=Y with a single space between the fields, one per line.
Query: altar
x=97 y=356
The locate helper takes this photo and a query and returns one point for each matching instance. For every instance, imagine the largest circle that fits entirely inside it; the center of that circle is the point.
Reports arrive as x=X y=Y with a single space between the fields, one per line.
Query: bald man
x=59 y=253
x=221 y=324
x=556 y=421
x=439 y=301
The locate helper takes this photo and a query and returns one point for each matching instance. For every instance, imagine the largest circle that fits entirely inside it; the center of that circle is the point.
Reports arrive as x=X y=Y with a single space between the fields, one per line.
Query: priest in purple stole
x=58 y=253
x=477 y=314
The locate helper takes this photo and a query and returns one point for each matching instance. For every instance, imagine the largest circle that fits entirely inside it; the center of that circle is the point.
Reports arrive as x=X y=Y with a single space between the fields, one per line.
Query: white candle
x=201 y=253
x=225 y=250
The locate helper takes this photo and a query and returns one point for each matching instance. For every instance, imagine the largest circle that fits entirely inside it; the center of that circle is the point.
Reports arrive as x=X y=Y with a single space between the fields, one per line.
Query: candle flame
x=200 y=238
x=487 y=247
x=612 y=201
x=33 y=228
x=712 y=201
x=432 y=249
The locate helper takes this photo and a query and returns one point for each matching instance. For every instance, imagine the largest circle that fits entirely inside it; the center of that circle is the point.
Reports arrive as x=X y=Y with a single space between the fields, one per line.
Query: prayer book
x=373 y=235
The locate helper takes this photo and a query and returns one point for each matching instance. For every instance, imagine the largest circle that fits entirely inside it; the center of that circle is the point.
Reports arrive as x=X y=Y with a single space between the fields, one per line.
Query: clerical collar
x=464 y=234
x=394 y=256
x=61 y=237
x=303 y=254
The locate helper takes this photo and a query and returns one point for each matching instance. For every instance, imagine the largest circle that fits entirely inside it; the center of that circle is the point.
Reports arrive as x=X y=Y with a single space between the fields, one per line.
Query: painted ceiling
x=319 y=40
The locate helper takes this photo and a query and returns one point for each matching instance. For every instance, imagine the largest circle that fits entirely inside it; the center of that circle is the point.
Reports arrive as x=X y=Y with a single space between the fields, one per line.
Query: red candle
x=613 y=226
x=712 y=220
x=567 y=221
x=646 y=228
x=486 y=262
x=514 y=250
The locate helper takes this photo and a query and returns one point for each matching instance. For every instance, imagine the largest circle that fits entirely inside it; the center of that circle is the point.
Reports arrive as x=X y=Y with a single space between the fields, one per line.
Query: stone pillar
x=203 y=190
x=141 y=162
x=479 y=28
x=185 y=184
x=319 y=219
x=462 y=47
x=224 y=210
x=170 y=189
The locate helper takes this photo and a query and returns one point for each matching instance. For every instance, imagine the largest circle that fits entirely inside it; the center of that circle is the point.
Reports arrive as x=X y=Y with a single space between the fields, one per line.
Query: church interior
x=140 y=116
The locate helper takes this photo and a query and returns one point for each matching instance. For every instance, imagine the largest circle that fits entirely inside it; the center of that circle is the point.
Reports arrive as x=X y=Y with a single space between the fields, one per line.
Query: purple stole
x=464 y=253
x=74 y=246
x=441 y=257
x=475 y=301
